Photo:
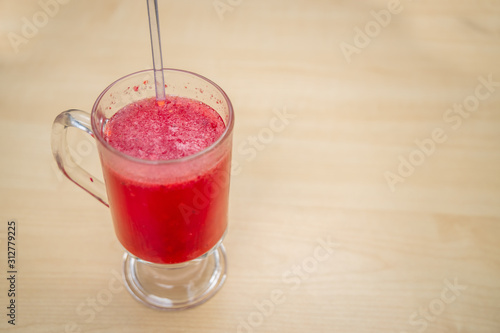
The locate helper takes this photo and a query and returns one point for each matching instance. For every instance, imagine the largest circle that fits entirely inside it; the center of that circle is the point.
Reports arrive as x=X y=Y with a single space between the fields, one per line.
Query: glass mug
x=169 y=215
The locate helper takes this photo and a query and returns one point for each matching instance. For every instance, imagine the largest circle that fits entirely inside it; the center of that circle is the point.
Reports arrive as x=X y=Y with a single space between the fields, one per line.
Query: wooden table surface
x=374 y=206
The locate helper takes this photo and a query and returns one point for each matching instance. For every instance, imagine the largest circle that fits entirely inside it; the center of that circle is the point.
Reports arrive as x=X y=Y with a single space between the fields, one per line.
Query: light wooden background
x=322 y=177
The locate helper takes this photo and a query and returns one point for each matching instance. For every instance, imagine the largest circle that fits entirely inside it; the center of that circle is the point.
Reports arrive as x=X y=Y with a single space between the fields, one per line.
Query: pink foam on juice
x=178 y=128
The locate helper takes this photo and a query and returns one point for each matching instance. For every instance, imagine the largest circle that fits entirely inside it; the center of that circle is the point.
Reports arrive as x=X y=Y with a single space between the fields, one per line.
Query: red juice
x=159 y=218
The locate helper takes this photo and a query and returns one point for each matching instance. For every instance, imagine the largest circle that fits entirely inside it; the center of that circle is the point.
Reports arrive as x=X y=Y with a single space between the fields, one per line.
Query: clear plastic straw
x=154 y=30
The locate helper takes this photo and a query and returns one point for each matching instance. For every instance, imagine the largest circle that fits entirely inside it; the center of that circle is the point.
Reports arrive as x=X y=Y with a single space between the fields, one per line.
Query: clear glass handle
x=81 y=120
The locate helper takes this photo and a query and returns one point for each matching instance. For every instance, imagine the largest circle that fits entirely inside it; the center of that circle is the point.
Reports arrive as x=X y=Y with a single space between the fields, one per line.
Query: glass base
x=178 y=286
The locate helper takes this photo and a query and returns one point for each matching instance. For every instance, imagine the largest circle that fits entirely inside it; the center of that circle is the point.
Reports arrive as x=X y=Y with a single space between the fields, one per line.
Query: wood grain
x=421 y=255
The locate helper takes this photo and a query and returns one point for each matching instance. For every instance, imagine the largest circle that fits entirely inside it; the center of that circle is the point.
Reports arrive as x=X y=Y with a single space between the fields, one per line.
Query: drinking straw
x=154 y=30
